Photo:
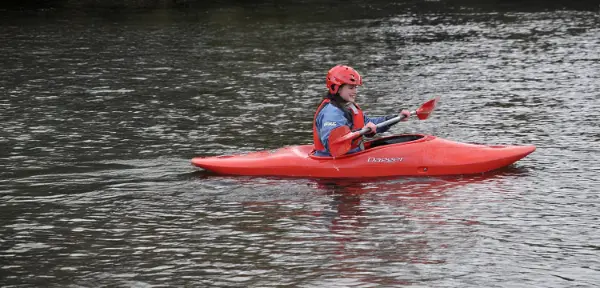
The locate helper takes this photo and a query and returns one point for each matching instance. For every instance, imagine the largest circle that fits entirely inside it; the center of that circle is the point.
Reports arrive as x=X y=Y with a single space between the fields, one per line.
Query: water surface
x=101 y=113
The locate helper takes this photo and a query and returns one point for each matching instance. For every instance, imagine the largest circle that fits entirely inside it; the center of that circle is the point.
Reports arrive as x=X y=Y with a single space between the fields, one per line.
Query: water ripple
x=100 y=118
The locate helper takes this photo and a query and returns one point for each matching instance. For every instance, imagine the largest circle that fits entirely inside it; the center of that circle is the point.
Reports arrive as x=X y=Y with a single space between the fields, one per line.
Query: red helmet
x=342 y=74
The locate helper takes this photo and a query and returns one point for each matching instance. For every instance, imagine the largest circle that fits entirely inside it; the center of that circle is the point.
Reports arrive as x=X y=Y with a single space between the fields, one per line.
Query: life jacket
x=358 y=122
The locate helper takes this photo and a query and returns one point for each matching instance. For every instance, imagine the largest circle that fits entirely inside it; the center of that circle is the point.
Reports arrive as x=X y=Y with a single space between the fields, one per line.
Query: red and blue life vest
x=358 y=122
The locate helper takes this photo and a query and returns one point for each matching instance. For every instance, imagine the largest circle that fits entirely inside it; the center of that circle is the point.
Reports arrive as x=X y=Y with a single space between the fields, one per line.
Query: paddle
x=343 y=136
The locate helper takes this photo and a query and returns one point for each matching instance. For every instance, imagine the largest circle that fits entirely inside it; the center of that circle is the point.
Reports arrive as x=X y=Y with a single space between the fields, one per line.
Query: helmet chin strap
x=351 y=107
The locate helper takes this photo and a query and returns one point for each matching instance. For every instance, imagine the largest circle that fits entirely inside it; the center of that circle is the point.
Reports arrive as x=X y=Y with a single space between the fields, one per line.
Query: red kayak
x=398 y=155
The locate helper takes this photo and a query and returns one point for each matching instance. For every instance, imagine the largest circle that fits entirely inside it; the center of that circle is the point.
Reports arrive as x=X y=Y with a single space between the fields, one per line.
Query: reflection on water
x=404 y=225
x=100 y=113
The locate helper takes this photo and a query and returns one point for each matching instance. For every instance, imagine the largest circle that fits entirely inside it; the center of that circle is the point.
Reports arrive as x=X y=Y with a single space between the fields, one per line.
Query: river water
x=101 y=112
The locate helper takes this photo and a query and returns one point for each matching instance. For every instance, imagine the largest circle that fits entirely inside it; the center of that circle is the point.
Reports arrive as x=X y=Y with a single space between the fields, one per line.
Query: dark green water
x=101 y=111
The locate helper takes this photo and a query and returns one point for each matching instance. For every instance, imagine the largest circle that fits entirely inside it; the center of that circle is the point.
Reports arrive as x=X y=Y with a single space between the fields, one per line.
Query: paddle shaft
x=342 y=144
x=388 y=122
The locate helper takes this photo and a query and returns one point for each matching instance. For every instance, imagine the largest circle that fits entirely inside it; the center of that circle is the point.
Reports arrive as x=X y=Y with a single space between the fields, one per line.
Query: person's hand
x=406 y=114
x=373 y=128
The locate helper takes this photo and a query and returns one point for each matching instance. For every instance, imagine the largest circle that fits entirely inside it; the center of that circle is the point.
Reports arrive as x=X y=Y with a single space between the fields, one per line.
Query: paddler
x=339 y=109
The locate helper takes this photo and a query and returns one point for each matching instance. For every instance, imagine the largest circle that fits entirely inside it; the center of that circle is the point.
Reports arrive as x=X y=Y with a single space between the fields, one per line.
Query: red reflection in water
x=358 y=212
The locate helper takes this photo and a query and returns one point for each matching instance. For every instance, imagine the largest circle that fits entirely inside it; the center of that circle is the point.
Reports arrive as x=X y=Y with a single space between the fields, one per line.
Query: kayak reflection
x=399 y=223
x=410 y=204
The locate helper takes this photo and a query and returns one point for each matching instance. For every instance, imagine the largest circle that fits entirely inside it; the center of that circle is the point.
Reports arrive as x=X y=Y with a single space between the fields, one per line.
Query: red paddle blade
x=338 y=144
x=426 y=109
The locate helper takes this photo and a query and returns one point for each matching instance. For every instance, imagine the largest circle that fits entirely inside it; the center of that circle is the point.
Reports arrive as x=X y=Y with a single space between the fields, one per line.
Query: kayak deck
x=399 y=155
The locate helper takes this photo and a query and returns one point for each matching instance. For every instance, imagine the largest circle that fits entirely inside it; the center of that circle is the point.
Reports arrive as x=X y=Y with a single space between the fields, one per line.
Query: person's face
x=348 y=92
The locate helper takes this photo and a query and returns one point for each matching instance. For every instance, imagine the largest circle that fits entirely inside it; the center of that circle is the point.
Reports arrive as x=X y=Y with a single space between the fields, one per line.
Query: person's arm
x=377 y=120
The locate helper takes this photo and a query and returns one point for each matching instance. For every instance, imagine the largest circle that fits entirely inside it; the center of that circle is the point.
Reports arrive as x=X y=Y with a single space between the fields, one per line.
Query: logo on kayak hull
x=384 y=159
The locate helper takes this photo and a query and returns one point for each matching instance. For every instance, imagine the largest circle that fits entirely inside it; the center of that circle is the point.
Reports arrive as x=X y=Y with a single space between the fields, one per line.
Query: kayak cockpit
x=395 y=139
x=380 y=142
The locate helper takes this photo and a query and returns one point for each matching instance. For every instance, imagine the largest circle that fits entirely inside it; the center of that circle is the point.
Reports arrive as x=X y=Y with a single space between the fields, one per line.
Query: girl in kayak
x=339 y=109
